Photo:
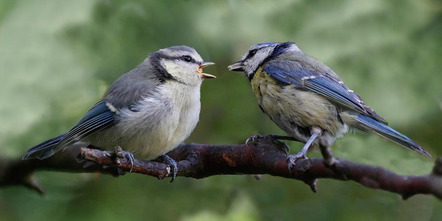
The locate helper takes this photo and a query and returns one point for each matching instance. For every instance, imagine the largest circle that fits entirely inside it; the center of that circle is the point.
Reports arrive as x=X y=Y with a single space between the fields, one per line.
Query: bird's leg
x=123 y=154
x=303 y=152
x=327 y=154
x=171 y=163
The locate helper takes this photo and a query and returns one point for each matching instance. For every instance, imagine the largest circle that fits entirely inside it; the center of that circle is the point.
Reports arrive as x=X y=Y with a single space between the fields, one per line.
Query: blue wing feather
x=43 y=150
x=290 y=72
x=98 y=118
x=390 y=133
x=97 y=109
x=329 y=88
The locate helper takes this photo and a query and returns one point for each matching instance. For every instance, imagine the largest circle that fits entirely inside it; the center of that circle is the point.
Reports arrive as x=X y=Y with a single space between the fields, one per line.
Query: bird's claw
x=172 y=165
x=291 y=160
x=123 y=154
x=253 y=138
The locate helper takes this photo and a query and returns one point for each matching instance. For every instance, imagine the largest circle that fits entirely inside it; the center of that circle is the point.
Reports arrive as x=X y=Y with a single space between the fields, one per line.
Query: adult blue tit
x=148 y=111
x=308 y=100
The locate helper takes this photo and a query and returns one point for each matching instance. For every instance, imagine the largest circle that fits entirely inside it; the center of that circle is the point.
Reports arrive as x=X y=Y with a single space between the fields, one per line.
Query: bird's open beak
x=200 y=70
x=237 y=66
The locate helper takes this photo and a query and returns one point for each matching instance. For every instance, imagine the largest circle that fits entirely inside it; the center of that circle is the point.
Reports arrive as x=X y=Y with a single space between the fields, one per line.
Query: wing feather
x=98 y=118
x=331 y=87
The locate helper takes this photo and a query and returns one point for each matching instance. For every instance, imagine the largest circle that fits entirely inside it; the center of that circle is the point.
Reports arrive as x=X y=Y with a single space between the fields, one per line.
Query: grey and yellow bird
x=308 y=100
x=148 y=111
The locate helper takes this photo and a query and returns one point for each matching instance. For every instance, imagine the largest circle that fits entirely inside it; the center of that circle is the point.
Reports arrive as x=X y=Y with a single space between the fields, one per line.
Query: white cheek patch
x=181 y=71
x=253 y=62
x=171 y=67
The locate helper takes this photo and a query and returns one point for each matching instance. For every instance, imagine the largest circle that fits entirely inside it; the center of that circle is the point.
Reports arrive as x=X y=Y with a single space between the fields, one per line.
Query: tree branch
x=260 y=156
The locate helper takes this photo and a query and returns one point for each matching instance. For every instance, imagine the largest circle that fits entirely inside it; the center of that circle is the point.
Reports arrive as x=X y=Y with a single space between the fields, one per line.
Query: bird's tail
x=366 y=123
x=43 y=150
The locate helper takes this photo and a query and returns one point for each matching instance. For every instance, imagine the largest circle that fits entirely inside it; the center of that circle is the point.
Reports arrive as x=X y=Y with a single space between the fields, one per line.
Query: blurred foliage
x=58 y=57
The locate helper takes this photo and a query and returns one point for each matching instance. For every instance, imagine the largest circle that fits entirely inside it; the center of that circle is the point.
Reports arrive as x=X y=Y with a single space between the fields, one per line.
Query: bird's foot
x=171 y=163
x=291 y=159
x=303 y=152
x=123 y=154
x=254 y=138
x=329 y=160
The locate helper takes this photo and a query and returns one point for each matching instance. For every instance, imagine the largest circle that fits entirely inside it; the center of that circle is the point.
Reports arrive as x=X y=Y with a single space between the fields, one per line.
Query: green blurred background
x=58 y=57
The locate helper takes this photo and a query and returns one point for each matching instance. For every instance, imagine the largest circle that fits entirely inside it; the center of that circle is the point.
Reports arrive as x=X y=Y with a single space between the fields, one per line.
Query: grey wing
x=292 y=72
x=100 y=117
x=124 y=93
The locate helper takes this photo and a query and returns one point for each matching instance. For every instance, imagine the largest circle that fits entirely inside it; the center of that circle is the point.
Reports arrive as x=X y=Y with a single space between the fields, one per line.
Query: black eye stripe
x=184 y=58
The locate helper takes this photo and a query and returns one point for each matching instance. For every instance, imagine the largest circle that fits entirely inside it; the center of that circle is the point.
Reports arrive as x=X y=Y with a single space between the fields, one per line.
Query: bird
x=148 y=111
x=308 y=100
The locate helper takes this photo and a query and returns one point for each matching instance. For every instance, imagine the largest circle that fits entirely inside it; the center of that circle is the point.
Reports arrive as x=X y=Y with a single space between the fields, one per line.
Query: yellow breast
x=287 y=103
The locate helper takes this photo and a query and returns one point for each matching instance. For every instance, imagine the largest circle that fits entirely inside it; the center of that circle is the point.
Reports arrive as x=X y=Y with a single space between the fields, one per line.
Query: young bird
x=148 y=111
x=308 y=100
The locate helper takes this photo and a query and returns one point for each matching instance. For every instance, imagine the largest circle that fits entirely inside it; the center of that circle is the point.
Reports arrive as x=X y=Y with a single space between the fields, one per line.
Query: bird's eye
x=187 y=58
x=251 y=53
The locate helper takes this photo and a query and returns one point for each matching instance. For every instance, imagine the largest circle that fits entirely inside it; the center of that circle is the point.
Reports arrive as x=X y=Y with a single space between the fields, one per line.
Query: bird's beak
x=237 y=66
x=200 y=69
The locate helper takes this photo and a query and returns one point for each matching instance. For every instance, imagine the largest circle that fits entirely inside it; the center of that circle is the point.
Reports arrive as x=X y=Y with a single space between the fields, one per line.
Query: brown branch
x=20 y=172
x=262 y=156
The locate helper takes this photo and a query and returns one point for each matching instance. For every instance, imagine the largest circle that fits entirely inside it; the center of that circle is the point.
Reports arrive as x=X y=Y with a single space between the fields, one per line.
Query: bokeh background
x=58 y=57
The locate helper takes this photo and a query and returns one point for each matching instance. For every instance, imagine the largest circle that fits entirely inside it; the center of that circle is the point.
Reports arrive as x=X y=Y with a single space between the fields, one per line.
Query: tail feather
x=367 y=123
x=43 y=150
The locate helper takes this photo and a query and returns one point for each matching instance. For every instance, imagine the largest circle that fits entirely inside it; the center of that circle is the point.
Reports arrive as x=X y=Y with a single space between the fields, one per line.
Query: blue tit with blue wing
x=148 y=111
x=308 y=100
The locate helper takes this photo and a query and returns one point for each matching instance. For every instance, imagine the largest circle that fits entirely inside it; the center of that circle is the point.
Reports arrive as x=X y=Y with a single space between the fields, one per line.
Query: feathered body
x=304 y=97
x=296 y=111
x=148 y=111
x=172 y=112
